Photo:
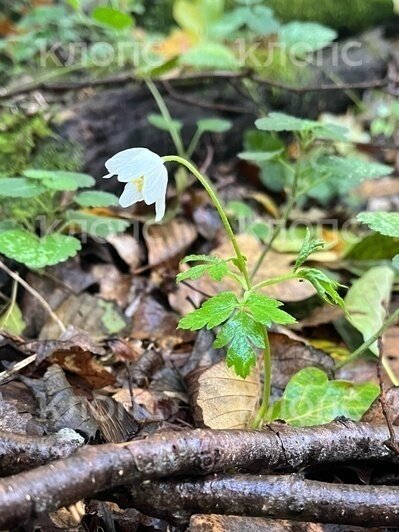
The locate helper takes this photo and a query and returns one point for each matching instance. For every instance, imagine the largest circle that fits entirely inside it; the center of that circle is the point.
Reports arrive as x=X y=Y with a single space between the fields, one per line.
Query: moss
x=18 y=136
x=58 y=154
x=354 y=15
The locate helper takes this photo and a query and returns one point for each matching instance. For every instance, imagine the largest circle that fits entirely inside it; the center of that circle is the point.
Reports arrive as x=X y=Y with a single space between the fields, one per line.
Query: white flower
x=145 y=176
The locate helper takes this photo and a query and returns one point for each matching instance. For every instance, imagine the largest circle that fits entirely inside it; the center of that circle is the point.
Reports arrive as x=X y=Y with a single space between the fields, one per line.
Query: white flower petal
x=155 y=184
x=133 y=163
x=130 y=195
x=160 y=209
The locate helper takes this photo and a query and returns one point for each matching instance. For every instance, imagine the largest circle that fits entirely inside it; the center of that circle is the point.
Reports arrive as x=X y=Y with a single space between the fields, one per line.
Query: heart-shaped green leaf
x=311 y=399
x=36 y=252
x=96 y=198
x=19 y=187
x=96 y=226
x=60 y=180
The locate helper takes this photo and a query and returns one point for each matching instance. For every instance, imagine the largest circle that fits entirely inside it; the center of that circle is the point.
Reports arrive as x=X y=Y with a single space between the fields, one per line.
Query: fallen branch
x=196 y=452
x=125 y=78
x=280 y=497
x=19 y=452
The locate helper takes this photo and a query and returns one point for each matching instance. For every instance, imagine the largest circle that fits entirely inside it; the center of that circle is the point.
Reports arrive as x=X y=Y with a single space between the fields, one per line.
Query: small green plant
x=37 y=209
x=240 y=317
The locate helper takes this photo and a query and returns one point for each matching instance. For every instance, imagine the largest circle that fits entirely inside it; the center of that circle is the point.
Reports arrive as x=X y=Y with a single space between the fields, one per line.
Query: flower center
x=138 y=183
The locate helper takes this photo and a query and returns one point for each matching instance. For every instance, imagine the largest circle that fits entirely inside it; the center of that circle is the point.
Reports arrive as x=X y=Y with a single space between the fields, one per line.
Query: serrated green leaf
x=214 y=125
x=259 y=156
x=265 y=310
x=351 y=170
x=210 y=55
x=111 y=18
x=215 y=271
x=367 y=300
x=215 y=267
x=373 y=247
x=211 y=313
x=302 y=38
x=324 y=285
x=160 y=122
x=96 y=198
x=36 y=252
x=200 y=258
x=242 y=334
x=19 y=187
x=311 y=399
x=309 y=246
x=385 y=223
x=284 y=122
x=96 y=226
x=12 y=320
x=60 y=180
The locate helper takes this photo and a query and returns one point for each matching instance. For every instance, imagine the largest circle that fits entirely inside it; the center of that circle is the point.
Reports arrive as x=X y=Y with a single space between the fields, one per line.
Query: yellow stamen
x=139 y=183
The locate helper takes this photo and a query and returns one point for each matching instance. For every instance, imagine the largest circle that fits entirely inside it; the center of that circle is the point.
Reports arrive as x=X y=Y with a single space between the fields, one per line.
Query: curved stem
x=174 y=133
x=275 y=280
x=219 y=207
x=290 y=204
x=267 y=364
x=391 y=320
x=194 y=143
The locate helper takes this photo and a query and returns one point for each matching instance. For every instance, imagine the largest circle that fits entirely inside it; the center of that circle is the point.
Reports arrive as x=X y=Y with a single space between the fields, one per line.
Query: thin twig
x=35 y=294
x=392 y=442
x=20 y=365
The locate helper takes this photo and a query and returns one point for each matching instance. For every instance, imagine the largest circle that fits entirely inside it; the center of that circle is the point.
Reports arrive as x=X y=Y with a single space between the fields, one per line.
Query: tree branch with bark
x=94 y=469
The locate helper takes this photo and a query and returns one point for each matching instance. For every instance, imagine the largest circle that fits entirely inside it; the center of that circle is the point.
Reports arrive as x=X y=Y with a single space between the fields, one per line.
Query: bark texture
x=281 y=497
x=19 y=452
x=195 y=452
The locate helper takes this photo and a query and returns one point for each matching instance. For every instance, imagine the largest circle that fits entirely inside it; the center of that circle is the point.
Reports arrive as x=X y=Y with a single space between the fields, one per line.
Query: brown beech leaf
x=224 y=400
x=114 y=285
x=152 y=321
x=290 y=354
x=127 y=248
x=169 y=241
x=375 y=414
x=378 y=188
x=98 y=317
x=83 y=363
x=233 y=523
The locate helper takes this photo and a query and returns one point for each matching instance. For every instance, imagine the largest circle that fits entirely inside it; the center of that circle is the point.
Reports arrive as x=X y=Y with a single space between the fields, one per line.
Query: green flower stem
x=11 y=305
x=176 y=137
x=241 y=262
x=391 y=320
x=194 y=143
x=267 y=364
x=287 y=211
x=276 y=280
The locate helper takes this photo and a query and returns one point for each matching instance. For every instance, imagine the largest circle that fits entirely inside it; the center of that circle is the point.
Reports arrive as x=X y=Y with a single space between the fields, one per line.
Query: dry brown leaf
x=83 y=363
x=99 y=318
x=152 y=321
x=378 y=188
x=127 y=248
x=290 y=355
x=224 y=400
x=375 y=413
x=232 y=523
x=320 y=316
x=169 y=241
x=113 y=285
